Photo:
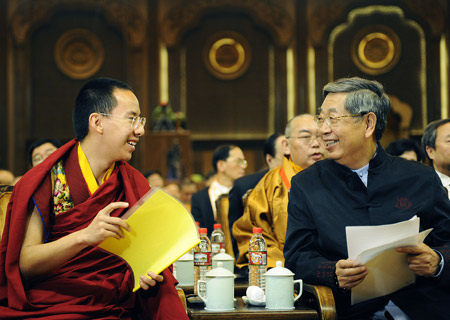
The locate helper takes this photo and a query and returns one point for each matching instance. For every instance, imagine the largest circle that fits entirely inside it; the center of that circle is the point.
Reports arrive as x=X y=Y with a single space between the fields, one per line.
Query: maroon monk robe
x=95 y=284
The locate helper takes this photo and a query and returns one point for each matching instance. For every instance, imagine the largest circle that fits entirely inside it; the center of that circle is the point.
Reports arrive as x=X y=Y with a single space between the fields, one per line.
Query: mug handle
x=198 y=290
x=300 y=282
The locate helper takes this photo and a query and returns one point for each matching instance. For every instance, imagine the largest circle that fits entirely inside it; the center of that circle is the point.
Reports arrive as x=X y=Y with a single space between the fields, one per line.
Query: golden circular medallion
x=227 y=55
x=79 y=53
x=376 y=50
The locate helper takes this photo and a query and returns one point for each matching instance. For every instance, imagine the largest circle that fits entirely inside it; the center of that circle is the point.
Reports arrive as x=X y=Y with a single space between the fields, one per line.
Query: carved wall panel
x=51 y=71
x=268 y=14
x=393 y=53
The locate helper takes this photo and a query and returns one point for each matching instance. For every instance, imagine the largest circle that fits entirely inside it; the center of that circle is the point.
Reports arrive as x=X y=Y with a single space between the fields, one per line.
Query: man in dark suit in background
x=229 y=163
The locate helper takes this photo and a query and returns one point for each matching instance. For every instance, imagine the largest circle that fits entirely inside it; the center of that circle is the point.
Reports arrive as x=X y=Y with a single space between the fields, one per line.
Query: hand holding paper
x=162 y=230
x=376 y=248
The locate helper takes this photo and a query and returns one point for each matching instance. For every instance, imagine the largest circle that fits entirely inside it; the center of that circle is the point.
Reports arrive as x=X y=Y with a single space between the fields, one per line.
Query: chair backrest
x=245 y=197
x=222 y=205
x=5 y=195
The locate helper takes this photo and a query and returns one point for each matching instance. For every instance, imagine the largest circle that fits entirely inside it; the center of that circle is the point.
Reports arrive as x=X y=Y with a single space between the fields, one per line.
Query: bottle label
x=202 y=259
x=257 y=258
x=217 y=246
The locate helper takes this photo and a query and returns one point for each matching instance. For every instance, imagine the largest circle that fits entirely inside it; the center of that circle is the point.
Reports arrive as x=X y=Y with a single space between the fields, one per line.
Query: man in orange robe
x=267 y=203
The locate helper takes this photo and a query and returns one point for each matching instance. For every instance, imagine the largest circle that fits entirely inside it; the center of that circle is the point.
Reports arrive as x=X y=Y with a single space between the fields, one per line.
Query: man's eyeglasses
x=305 y=138
x=334 y=120
x=134 y=121
x=239 y=161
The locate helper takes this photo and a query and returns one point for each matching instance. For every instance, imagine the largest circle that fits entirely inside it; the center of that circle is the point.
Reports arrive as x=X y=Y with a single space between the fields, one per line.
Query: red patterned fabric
x=95 y=284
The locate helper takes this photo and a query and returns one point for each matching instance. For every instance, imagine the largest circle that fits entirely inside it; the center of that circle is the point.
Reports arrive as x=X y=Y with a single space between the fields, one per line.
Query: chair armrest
x=182 y=297
x=320 y=298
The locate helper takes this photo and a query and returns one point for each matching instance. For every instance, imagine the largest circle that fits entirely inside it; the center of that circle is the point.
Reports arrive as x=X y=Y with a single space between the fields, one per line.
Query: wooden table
x=247 y=312
x=317 y=302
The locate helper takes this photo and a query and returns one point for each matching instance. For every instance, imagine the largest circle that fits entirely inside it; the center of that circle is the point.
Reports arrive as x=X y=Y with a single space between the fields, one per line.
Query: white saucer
x=219 y=310
x=253 y=302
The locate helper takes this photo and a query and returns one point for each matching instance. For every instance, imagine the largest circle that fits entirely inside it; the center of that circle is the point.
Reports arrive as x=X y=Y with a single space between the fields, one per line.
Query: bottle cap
x=257 y=230
x=217 y=226
x=202 y=230
x=197 y=223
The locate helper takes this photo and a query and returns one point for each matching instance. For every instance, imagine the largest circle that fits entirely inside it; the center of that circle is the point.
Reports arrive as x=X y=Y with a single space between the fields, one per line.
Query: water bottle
x=257 y=259
x=217 y=239
x=202 y=261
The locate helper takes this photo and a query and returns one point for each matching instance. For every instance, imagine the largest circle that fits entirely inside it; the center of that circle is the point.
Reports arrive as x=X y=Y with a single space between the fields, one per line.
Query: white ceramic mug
x=226 y=259
x=280 y=288
x=219 y=289
x=184 y=270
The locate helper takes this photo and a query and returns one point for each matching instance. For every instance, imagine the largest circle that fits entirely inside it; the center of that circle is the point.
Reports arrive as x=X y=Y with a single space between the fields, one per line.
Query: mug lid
x=219 y=272
x=186 y=257
x=279 y=270
x=223 y=256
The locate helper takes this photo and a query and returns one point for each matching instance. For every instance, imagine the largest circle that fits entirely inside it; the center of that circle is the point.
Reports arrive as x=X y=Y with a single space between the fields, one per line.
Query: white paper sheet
x=375 y=247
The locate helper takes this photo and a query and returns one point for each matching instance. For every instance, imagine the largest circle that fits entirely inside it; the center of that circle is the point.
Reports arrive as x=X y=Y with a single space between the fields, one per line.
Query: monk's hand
x=350 y=273
x=146 y=283
x=104 y=226
x=423 y=260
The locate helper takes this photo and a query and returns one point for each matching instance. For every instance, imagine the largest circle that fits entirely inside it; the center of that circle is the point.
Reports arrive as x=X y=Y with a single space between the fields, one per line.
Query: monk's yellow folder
x=162 y=230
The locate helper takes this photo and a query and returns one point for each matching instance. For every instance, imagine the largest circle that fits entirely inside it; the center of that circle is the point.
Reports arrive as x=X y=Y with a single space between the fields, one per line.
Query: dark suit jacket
x=236 y=209
x=327 y=197
x=202 y=211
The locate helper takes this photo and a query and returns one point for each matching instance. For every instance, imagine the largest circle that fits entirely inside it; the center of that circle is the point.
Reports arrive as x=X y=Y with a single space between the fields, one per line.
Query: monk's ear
x=285 y=144
x=95 y=123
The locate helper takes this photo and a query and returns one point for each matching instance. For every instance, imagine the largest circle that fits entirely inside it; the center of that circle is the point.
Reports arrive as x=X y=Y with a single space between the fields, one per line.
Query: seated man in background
x=408 y=149
x=435 y=141
x=275 y=148
x=267 y=203
x=361 y=185
x=155 y=179
x=50 y=264
x=6 y=177
x=229 y=163
x=187 y=189
x=41 y=149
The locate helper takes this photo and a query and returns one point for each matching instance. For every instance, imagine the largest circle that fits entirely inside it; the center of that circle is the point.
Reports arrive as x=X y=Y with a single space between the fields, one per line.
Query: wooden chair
x=222 y=205
x=321 y=299
x=5 y=194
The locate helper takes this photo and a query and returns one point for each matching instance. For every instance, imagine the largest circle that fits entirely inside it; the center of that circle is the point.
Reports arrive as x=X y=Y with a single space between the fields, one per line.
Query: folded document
x=162 y=230
x=375 y=247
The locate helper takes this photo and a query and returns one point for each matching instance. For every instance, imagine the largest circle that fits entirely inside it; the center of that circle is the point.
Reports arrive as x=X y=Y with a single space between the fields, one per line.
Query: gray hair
x=364 y=96
x=429 y=135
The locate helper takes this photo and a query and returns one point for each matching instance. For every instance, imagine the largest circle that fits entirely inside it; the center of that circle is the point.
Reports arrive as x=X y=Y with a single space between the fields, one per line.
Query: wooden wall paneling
x=176 y=96
x=156 y=146
x=301 y=60
x=20 y=109
x=280 y=80
x=53 y=92
x=3 y=85
x=231 y=109
x=407 y=78
x=433 y=80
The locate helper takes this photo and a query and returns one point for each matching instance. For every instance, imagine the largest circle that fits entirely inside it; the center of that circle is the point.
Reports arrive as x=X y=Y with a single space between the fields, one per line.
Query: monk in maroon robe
x=50 y=265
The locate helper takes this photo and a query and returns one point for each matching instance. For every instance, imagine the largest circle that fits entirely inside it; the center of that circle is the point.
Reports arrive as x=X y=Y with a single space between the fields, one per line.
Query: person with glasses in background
x=267 y=203
x=229 y=163
x=41 y=149
x=361 y=185
x=50 y=264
